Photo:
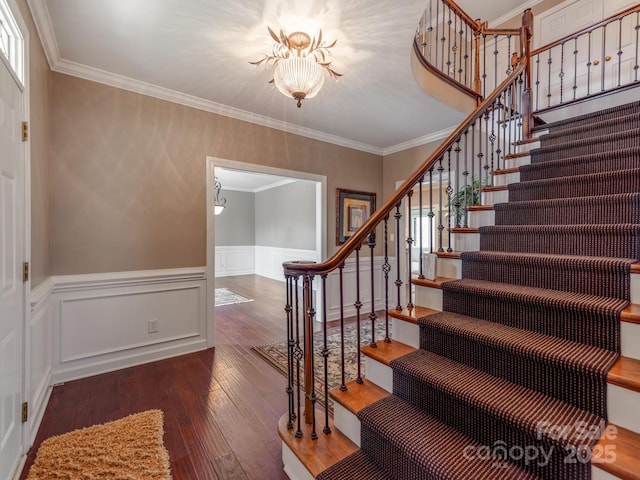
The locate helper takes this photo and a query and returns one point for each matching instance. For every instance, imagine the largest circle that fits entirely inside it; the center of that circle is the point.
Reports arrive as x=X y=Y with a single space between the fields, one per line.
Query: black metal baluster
x=460 y=40
x=589 y=64
x=538 y=82
x=308 y=300
x=290 y=346
x=299 y=355
x=386 y=268
x=444 y=35
x=372 y=314
x=449 y=194
x=465 y=174
x=619 y=51
x=500 y=161
x=343 y=386
x=430 y=29
x=549 y=61
x=421 y=273
x=495 y=61
x=637 y=29
x=441 y=213
x=458 y=205
x=449 y=46
x=467 y=68
x=409 y=244
x=561 y=74
x=473 y=165
x=358 y=306
x=437 y=31
x=604 y=46
x=575 y=67
x=398 y=216
x=431 y=212
x=325 y=354
x=484 y=65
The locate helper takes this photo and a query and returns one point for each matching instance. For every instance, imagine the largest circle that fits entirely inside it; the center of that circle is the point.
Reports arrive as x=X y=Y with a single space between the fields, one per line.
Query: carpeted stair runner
x=527 y=336
x=602 y=276
x=605 y=209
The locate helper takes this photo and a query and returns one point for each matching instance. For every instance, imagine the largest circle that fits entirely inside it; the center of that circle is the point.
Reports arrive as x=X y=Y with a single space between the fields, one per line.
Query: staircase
x=532 y=367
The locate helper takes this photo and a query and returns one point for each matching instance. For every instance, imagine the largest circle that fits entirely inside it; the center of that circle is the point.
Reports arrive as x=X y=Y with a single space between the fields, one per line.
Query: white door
x=12 y=173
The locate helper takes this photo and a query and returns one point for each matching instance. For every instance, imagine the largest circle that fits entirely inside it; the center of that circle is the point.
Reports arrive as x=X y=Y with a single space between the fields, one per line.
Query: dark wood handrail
x=462 y=14
x=298 y=268
x=587 y=29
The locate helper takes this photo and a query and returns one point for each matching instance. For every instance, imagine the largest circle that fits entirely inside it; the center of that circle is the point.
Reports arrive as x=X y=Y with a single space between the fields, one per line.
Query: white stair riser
x=466 y=242
x=517 y=162
x=481 y=218
x=491 y=198
x=635 y=288
x=346 y=422
x=429 y=297
x=506 y=179
x=630 y=340
x=527 y=147
x=379 y=373
x=449 y=267
x=622 y=407
x=406 y=332
x=293 y=467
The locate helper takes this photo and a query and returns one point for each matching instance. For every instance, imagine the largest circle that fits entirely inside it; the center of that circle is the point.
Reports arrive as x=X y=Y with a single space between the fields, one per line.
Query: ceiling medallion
x=300 y=64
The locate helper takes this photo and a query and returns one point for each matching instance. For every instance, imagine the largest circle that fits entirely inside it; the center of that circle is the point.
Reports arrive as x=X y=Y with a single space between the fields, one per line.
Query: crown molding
x=513 y=13
x=45 y=30
x=416 y=142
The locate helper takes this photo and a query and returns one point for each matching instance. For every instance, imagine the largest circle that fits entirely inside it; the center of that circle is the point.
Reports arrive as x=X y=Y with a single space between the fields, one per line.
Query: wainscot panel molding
x=349 y=285
x=40 y=351
x=269 y=260
x=235 y=260
x=103 y=322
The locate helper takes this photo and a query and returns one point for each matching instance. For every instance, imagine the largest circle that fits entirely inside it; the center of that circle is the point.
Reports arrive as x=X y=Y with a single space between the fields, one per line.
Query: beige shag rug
x=129 y=449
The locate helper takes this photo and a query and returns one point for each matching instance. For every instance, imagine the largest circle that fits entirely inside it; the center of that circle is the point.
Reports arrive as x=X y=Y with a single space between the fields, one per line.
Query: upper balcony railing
x=596 y=60
x=465 y=52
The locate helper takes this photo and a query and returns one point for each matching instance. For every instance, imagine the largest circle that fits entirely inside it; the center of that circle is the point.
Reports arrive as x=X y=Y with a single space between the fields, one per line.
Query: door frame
x=14 y=11
x=321 y=222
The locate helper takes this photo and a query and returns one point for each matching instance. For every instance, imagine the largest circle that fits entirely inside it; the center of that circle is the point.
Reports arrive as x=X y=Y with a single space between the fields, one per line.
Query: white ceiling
x=197 y=52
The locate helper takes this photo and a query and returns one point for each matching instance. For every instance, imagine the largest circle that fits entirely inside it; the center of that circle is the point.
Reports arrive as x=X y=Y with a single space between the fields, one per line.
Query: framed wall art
x=353 y=209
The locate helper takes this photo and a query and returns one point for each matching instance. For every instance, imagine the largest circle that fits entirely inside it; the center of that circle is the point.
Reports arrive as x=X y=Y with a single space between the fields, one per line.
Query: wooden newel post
x=526 y=32
x=477 y=84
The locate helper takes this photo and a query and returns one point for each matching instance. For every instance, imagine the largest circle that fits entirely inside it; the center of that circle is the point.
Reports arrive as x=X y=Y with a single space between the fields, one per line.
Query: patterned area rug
x=276 y=354
x=130 y=448
x=224 y=296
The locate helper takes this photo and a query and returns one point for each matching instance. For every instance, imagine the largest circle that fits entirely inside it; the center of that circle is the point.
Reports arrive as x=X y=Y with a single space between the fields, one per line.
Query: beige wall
x=40 y=131
x=128 y=175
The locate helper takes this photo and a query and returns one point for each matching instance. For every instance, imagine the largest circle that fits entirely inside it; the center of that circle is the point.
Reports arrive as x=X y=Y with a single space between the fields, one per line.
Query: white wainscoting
x=236 y=260
x=101 y=322
x=349 y=287
x=40 y=348
x=269 y=260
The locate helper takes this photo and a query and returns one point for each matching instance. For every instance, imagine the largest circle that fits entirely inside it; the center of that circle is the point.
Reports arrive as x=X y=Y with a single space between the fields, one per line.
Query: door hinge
x=25 y=412
x=25 y=131
x=25 y=271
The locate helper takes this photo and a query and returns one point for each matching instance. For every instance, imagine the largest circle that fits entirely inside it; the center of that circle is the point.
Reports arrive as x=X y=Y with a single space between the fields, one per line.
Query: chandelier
x=218 y=203
x=300 y=64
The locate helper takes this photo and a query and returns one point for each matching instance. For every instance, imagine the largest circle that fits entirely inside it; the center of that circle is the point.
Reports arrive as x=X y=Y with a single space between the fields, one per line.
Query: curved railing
x=599 y=59
x=455 y=177
x=465 y=53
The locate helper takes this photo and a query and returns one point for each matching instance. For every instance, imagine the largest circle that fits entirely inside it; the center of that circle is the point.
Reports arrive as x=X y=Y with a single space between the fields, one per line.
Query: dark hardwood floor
x=221 y=405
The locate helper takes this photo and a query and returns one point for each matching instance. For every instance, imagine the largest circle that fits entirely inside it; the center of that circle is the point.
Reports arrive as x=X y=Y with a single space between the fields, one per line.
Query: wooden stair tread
x=464 y=230
x=358 y=395
x=454 y=255
x=625 y=373
x=385 y=352
x=480 y=208
x=631 y=313
x=506 y=171
x=509 y=156
x=635 y=267
x=623 y=445
x=527 y=141
x=412 y=315
x=496 y=188
x=316 y=455
x=437 y=283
